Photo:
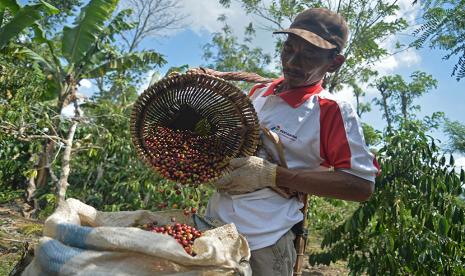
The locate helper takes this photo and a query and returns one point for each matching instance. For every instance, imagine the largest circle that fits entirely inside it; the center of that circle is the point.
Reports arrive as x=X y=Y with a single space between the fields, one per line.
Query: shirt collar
x=296 y=96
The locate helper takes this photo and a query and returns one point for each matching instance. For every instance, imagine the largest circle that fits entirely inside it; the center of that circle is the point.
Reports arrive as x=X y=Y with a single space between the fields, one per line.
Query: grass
x=7 y=262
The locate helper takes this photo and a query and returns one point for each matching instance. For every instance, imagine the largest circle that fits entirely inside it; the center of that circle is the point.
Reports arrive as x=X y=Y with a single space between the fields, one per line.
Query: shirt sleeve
x=342 y=144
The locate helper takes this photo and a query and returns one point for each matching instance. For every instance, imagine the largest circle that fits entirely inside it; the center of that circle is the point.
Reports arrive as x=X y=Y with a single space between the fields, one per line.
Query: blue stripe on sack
x=52 y=255
x=73 y=235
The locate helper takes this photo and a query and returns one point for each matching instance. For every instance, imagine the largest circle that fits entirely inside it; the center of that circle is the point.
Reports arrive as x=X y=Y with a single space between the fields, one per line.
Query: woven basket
x=180 y=101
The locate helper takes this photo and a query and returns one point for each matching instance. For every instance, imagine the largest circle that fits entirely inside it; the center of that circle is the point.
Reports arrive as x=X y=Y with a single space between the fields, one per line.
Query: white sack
x=79 y=240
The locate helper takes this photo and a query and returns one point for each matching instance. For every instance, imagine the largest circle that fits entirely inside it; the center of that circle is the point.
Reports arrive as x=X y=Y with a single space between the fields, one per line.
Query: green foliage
x=8 y=195
x=326 y=213
x=372 y=136
x=12 y=5
x=443 y=27
x=456 y=132
x=52 y=23
x=23 y=17
x=78 y=41
x=225 y=53
x=125 y=62
x=395 y=93
x=21 y=114
x=88 y=48
x=415 y=221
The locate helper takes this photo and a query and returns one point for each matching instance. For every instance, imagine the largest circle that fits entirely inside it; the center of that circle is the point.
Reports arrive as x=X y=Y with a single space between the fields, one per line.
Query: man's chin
x=294 y=81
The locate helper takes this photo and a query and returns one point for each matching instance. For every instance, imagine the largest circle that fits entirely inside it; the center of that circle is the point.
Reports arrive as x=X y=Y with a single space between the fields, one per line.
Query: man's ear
x=338 y=60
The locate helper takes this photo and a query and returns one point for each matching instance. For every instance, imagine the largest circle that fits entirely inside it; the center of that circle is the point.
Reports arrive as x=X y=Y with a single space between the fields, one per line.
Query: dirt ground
x=17 y=234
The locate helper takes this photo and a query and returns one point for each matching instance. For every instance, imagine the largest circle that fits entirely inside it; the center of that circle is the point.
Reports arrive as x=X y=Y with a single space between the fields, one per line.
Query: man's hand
x=249 y=174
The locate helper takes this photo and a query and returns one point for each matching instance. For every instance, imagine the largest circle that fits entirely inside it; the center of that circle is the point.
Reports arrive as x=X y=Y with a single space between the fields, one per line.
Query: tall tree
x=421 y=83
x=386 y=86
x=395 y=92
x=152 y=18
x=53 y=23
x=443 y=27
x=139 y=20
x=456 y=132
x=226 y=52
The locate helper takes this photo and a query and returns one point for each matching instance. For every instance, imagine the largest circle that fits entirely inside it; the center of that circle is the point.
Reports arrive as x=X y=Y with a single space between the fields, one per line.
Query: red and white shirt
x=318 y=132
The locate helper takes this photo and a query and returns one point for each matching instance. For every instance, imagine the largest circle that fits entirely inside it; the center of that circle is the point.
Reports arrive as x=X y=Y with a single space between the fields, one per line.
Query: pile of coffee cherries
x=184 y=156
x=184 y=234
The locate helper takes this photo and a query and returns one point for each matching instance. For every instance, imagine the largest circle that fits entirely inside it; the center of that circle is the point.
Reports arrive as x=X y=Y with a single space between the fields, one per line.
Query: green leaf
x=156 y=76
x=24 y=18
x=451 y=160
x=119 y=24
x=77 y=41
x=49 y=8
x=12 y=5
x=442 y=162
x=26 y=53
x=126 y=62
x=2 y=13
x=360 y=215
x=443 y=226
x=39 y=34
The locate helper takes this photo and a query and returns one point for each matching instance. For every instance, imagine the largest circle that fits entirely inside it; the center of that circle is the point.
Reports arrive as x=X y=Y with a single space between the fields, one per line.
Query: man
x=323 y=145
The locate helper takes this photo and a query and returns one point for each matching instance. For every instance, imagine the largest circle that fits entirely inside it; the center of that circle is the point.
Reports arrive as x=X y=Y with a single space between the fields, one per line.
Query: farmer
x=323 y=145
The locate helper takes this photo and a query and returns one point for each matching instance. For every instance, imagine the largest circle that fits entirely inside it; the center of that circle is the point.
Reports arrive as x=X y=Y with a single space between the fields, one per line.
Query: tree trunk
x=62 y=184
x=404 y=102
x=66 y=94
x=386 y=110
x=42 y=172
x=359 y=113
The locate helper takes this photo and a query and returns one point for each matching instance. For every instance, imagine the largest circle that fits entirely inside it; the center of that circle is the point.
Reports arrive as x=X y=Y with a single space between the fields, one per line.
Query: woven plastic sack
x=79 y=240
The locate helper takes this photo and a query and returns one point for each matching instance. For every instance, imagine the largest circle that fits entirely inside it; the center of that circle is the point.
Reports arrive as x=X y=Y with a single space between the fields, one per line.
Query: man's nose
x=293 y=60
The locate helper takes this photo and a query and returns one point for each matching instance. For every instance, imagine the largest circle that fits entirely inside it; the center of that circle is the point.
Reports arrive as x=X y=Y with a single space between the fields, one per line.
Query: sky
x=184 y=46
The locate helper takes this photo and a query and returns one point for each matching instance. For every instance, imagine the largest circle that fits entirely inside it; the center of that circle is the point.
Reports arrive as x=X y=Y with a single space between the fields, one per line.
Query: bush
x=414 y=223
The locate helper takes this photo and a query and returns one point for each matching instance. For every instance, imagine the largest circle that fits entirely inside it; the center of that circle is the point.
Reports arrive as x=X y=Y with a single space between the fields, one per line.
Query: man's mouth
x=292 y=74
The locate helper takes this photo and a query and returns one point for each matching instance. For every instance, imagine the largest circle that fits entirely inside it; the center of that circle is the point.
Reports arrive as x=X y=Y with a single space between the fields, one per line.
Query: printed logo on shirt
x=278 y=129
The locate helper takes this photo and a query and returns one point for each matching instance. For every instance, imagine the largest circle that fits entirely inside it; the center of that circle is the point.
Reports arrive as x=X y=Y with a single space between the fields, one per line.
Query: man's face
x=303 y=63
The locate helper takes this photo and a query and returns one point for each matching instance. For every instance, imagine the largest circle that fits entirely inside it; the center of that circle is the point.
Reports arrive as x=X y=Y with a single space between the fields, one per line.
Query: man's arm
x=334 y=184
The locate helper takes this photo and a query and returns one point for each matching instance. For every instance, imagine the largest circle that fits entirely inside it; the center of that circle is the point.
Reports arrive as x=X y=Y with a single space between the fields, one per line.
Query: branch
x=19 y=132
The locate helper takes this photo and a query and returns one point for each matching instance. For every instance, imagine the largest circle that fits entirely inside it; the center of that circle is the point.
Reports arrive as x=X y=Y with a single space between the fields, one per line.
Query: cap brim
x=310 y=37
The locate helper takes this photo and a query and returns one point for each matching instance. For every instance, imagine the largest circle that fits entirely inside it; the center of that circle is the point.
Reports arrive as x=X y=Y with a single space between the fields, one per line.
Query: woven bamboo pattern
x=180 y=101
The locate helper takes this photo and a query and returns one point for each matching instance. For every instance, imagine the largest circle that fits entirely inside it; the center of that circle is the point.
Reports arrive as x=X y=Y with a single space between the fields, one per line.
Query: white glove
x=249 y=174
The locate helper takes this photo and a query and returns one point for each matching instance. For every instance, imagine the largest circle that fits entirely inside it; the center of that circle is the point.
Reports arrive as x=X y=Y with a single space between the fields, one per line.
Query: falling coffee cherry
x=184 y=156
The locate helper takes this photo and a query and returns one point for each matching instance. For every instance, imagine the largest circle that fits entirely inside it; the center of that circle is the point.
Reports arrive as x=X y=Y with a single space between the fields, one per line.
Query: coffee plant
x=23 y=120
x=415 y=222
